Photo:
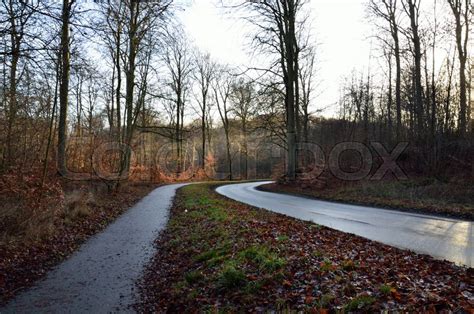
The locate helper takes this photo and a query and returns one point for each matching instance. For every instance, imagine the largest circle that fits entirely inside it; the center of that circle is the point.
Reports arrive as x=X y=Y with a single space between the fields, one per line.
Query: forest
x=113 y=90
x=102 y=101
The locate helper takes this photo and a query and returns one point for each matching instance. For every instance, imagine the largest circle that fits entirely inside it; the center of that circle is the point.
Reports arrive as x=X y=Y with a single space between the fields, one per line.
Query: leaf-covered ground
x=217 y=254
x=426 y=195
x=24 y=261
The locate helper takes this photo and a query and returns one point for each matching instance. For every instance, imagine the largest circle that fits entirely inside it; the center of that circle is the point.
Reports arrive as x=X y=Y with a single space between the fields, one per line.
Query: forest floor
x=218 y=254
x=422 y=195
x=28 y=250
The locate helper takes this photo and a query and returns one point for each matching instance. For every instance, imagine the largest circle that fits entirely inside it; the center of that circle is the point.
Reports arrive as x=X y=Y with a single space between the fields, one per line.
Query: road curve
x=442 y=238
x=101 y=275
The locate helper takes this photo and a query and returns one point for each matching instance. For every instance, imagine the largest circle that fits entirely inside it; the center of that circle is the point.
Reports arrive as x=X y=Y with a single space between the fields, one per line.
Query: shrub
x=28 y=208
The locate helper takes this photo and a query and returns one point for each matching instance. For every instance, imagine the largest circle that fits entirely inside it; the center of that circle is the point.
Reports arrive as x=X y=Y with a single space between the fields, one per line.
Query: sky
x=338 y=26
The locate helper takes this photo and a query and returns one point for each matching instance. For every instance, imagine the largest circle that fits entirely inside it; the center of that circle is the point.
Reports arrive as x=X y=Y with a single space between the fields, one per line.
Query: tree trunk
x=470 y=101
x=229 y=155
x=64 y=87
x=290 y=92
x=178 y=128
x=447 y=104
x=203 y=131
x=12 y=100
x=390 y=98
x=433 y=83
x=51 y=123
x=245 y=144
x=413 y=14
x=457 y=9
x=119 y=86
x=111 y=112
x=398 y=89
x=130 y=85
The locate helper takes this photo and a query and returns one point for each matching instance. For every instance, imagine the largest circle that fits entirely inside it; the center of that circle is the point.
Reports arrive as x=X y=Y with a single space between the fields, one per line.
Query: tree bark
x=130 y=84
x=413 y=13
x=12 y=110
x=459 y=13
x=290 y=46
x=390 y=98
x=64 y=86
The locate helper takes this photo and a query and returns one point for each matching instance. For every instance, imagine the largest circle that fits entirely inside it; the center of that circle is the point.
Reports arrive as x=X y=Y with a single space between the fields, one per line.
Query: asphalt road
x=442 y=238
x=100 y=277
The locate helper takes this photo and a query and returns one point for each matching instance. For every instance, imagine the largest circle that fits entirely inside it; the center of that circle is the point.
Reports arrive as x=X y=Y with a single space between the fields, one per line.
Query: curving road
x=442 y=238
x=100 y=277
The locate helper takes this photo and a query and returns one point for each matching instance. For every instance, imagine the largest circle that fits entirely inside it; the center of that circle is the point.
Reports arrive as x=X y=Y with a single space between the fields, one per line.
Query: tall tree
x=433 y=82
x=412 y=9
x=243 y=94
x=278 y=26
x=204 y=73
x=111 y=28
x=64 y=84
x=387 y=10
x=141 y=19
x=306 y=77
x=17 y=16
x=462 y=9
x=222 y=88
x=179 y=64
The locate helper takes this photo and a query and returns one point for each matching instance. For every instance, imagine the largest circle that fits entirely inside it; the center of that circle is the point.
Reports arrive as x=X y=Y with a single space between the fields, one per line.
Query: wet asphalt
x=442 y=238
x=100 y=277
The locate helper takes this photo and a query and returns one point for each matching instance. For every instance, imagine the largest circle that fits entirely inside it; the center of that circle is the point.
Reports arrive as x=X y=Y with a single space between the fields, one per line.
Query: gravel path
x=443 y=238
x=100 y=276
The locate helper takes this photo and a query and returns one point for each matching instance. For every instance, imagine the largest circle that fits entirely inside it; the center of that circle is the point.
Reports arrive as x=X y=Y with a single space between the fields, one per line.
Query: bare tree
x=111 y=28
x=17 y=16
x=412 y=9
x=243 y=108
x=222 y=88
x=278 y=26
x=204 y=73
x=64 y=84
x=462 y=9
x=141 y=19
x=179 y=64
x=387 y=10
x=433 y=82
x=271 y=112
x=306 y=77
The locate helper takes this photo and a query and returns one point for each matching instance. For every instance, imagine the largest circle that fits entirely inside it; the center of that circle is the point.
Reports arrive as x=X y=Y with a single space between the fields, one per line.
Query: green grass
x=359 y=303
x=217 y=214
x=262 y=256
x=203 y=206
x=231 y=278
x=224 y=254
x=327 y=266
x=385 y=289
x=254 y=253
x=225 y=257
x=212 y=255
x=282 y=238
x=326 y=300
x=193 y=277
